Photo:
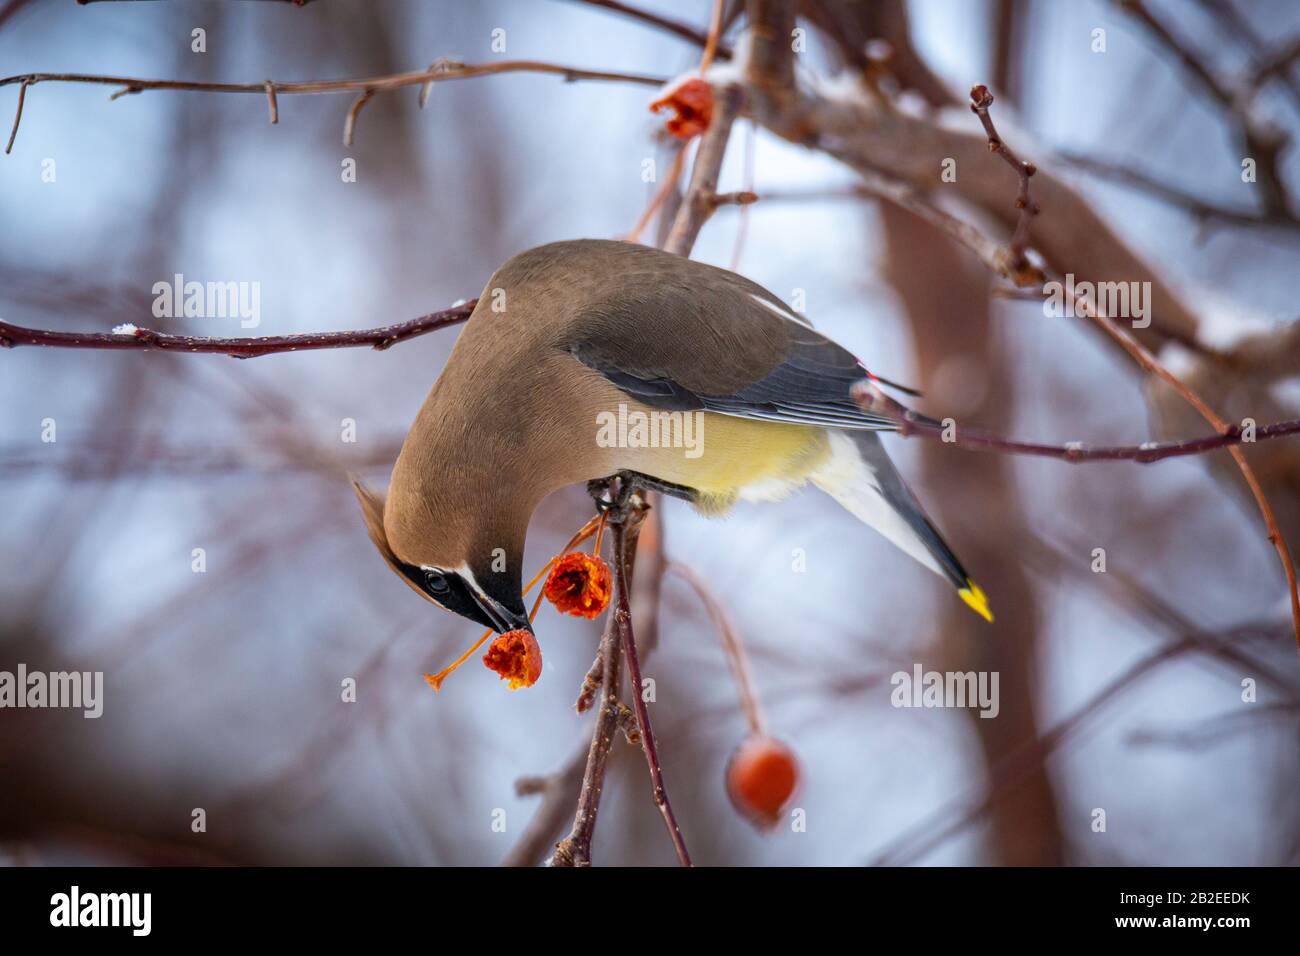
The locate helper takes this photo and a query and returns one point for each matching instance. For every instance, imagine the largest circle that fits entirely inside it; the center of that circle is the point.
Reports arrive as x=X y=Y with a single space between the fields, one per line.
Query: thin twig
x=12 y=336
x=272 y=106
x=622 y=618
x=594 y=680
x=1259 y=139
x=700 y=201
x=667 y=188
x=366 y=86
x=1190 y=203
x=627 y=723
x=745 y=198
x=575 y=849
x=18 y=115
x=380 y=84
x=1279 y=64
x=867 y=394
x=714 y=36
x=349 y=124
x=981 y=100
x=442 y=65
x=741 y=197
x=558 y=794
x=731 y=644
x=675 y=27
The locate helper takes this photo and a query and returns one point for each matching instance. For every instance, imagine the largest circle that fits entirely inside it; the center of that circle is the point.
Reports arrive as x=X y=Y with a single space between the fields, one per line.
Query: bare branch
x=558 y=792
x=594 y=680
x=771 y=55
x=622 y=619
x=1187 y=201
x=18 y=115
x=380 y=84
x=349 y=125
x=714 y=37
x=701 y=196
x=1261 y=141
x=365 y=86
x=731 y=644
x=867 y=394
x=667 y=24
x=981 y=100
x=272 y=106
x=12 y=336
x=575 y=849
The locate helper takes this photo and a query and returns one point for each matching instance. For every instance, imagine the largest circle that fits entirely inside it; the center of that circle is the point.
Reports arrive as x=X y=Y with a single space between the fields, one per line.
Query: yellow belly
x=721 y=456
x=724 y=457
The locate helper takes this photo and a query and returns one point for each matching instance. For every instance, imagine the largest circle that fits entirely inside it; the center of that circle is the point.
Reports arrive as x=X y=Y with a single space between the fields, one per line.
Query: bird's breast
x=721 y=456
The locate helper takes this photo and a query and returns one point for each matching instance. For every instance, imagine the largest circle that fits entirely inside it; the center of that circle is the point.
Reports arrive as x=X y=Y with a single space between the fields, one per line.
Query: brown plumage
x=572 y=334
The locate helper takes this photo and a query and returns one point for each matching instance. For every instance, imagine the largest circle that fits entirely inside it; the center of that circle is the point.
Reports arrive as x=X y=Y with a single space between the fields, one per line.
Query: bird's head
x=469 y=570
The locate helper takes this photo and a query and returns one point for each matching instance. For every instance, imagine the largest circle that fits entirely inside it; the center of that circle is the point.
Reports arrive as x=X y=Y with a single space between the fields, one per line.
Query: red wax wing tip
x=516 y=657
x=579 y=584
x=692 y=104
x=761 y=777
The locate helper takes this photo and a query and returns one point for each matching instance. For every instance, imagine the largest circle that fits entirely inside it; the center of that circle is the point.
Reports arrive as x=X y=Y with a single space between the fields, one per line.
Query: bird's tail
x=860 y=476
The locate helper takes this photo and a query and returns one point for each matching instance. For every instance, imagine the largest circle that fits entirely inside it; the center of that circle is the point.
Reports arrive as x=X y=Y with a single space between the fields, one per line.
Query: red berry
x=516 y=657
x=579 y=584
x=761 y=777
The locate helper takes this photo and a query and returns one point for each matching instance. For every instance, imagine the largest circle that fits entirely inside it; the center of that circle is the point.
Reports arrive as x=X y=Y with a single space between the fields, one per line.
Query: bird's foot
x=620 y=493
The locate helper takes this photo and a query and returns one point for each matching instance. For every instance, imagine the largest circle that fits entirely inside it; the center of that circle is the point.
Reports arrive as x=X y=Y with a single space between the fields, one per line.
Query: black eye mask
x=454 y=594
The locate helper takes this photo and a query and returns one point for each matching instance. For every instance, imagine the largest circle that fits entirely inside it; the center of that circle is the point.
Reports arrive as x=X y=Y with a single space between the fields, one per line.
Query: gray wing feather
x=810 y=386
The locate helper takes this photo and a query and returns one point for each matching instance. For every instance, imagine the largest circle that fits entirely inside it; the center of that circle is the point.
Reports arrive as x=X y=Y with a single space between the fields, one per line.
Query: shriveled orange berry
x=762 y=775
x=516 y=657
x=579 y=584
x=692 y=104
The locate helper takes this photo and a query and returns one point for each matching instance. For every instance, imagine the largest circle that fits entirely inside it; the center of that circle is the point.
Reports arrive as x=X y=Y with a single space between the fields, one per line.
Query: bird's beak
x=502 y=618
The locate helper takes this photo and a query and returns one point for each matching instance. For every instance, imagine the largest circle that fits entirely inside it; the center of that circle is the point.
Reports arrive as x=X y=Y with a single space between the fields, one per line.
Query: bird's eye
x=436 y=582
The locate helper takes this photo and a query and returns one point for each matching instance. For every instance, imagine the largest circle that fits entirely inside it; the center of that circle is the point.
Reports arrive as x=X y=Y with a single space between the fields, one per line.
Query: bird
x=578 y=356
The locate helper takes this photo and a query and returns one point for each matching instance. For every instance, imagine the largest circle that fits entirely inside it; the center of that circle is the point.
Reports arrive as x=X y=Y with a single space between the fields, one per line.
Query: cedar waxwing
x=590 y=358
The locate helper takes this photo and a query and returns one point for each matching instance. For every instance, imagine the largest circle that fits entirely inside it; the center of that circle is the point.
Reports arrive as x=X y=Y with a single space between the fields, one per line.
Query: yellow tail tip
x=975 y=599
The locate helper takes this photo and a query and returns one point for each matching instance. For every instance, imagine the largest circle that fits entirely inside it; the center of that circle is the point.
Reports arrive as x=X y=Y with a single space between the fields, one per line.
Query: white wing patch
x=785 y=313
x=851 y=481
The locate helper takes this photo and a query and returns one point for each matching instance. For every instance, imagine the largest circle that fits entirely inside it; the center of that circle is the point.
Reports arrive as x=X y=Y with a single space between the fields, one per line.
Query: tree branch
x=868 y=395
x=575 y=849
x=364 y=87
x=771 y=57
x=558 y=792
x=137 y=339
x=622 y=619
x=702 y=195
x=1260 y=140
x=676 y=27
x=731 y=645
x=1189 y=202
x=981 y=100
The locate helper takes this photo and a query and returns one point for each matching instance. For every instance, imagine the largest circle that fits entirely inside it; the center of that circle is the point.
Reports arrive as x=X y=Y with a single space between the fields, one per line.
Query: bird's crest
x=372 y=510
